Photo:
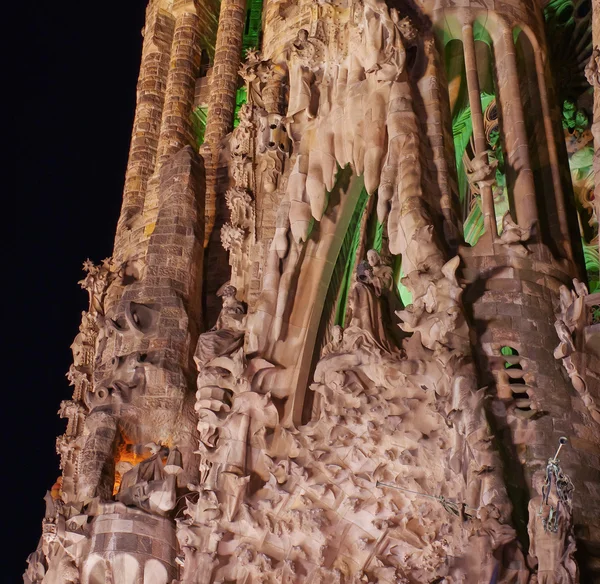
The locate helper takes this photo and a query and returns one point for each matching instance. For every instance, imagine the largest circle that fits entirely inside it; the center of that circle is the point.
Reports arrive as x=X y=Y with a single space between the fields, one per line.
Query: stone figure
x=335 y=344
x=241 y=211
x=96 y=283
x=256 y=72
x=364 y=308
x=435 y=312
x=513 y=236
x=232 y=315
x=151 y=484
x=383 y=275
x=552 y=544
x=302 y=52
x=240 y=147
x=228 y=333
x=482 y=172
x=489 y=538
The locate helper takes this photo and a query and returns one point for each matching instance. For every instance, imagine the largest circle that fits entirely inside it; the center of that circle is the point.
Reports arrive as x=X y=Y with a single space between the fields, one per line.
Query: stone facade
x=401 y=382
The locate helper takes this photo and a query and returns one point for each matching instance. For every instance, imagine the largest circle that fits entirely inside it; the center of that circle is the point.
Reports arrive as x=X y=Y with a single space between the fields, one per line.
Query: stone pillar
x=176 y=128
x=555 y=163
x=158 y=35
x=130 y=543
x=172 y=284
x=223 y=88
x=97 y=466
x=439 y=139
x=518 y=171
x=487 y=197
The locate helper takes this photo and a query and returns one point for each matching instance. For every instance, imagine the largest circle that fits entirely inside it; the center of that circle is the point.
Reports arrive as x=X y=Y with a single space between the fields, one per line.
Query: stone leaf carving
x=569 y=330
x=592 y=70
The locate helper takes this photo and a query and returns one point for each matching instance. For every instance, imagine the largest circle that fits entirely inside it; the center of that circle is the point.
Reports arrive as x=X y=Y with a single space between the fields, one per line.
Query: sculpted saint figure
x=301 y=58
x=383 y=275
x=335 y=344
x=150 y=485
x=232 y=314
x=365 y=310
x=228 y=333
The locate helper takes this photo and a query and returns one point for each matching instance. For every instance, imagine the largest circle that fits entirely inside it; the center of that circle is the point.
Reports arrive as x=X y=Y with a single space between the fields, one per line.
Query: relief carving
x=386 y=471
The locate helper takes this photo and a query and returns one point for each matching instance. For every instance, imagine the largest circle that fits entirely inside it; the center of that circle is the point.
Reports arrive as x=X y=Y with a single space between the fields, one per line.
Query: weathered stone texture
x=295 y=370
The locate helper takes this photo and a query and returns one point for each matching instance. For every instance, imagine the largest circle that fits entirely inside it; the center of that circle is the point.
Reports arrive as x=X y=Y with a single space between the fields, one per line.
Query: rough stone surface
x=294 y=369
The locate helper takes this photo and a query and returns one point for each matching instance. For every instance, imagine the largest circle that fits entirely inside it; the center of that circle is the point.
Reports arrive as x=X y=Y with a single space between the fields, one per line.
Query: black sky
x=71 y=68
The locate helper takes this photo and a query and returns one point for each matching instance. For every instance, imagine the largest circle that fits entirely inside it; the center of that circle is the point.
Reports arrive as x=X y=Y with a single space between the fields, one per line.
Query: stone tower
x=345 y=334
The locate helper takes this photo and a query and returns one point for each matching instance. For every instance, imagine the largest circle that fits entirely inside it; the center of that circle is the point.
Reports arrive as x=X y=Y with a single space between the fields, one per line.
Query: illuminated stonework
x=344 y=335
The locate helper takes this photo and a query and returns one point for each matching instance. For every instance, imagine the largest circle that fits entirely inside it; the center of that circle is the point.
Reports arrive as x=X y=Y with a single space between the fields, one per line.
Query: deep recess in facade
x=345 y=326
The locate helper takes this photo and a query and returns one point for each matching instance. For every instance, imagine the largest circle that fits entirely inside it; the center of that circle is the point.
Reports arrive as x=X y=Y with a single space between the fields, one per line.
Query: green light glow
x=241 y=98
x=348 y=250
x=199 y=124
x=253 y=28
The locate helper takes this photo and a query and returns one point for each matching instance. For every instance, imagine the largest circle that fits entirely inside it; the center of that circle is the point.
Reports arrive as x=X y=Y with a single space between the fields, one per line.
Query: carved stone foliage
x=351 y=496
x=259 y=148
x=571 y=320
x=592 y=71
x=369 y=461
x=97 y=282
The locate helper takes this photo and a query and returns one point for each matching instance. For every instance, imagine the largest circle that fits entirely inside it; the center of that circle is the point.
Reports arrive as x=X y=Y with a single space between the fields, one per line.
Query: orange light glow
x=126 y=453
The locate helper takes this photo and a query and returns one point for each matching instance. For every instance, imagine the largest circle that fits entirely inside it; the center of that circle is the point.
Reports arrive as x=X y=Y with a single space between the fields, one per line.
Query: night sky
x=72 y=71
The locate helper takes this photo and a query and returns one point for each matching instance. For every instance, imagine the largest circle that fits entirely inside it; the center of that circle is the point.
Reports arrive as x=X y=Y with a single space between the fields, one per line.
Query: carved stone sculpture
x=592 y=73
x=362 y=391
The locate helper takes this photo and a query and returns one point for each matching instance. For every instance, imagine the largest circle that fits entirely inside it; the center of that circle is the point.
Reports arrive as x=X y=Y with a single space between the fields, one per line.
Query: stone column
x=439 y=139
x=555 y=163
x=518 y=171
x=487 y=197
x=96 y=461
x=176 y=128
x=158 y=35
x=223 y=88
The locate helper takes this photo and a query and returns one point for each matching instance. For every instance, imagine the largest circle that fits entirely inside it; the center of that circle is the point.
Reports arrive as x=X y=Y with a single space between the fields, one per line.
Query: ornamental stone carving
x=375 y=400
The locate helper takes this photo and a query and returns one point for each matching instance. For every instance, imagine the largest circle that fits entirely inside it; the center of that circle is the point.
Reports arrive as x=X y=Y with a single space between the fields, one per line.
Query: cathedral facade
x=350 y=329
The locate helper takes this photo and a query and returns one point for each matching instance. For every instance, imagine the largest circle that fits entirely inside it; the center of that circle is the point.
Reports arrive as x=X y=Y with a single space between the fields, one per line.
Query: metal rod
x=440 y=499
x=379 y=483
x=561 y=442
